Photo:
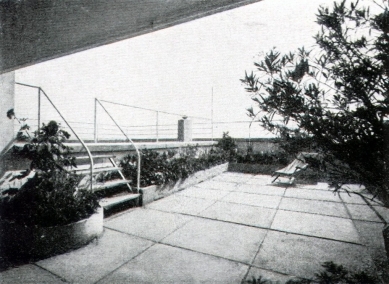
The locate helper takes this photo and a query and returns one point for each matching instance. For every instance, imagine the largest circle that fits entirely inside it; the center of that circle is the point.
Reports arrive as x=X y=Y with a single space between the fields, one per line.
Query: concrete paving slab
x=213 y=184
x=146 y=223
x=352 y=198
x=90 y=263
x=266 y=275
x=312 y=194
x=238 y=213
x=383 y=211
x=166 y=264
x=259 y=181
x=362 y=212
x=315 y=225
x=260 y=189
x=200 y=192
x=303 y=256
x=231 y=241
x=261 y=176
x=371 y=199
x=269 y=201
x=314 y=206
x=354 y=187
x=181 y=204
x=372 y=237
x=235 y=178
x=28 y=274
x=317 y=186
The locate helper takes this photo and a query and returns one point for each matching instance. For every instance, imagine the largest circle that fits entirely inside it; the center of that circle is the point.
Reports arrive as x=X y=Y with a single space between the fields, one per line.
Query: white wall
x=7 y=91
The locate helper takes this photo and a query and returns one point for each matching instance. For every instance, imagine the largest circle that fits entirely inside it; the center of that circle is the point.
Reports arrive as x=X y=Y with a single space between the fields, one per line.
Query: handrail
x=128 y=138
x=74 y=132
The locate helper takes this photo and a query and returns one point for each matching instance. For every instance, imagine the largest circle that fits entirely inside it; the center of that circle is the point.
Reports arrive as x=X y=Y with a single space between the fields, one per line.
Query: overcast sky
x=175 y=69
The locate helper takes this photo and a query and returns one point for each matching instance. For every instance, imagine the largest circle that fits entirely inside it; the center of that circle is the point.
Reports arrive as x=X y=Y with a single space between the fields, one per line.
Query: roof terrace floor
x=228 y=229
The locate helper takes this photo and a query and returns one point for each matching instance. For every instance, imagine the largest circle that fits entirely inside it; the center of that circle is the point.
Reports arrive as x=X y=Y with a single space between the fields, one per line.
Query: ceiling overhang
x=33 y=31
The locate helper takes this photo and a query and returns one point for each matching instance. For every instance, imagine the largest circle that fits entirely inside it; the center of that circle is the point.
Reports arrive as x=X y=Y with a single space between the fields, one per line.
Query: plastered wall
x=7 y=93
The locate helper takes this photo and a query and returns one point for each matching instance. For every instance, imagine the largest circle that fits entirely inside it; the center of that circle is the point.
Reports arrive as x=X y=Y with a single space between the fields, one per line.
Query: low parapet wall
x=122 y=149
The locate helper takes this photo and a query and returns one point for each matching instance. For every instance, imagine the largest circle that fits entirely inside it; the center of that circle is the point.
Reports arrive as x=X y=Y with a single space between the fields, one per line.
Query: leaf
x=10 y=113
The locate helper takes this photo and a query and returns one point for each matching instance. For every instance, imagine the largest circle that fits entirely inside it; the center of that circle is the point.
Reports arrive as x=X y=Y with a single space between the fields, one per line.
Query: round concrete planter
x=38 y=242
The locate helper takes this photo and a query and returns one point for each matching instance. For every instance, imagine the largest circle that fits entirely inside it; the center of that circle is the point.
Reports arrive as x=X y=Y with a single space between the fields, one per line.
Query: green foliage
x=264 y=158
x=51 y=197
x=335 y=95
x=162 y=168
x=47 y=150
x=22 y=134
x=228 y=145
x=335 y=273
x=332 y=274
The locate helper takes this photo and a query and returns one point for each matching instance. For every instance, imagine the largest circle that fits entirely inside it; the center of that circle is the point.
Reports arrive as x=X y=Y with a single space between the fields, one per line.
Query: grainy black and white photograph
x=194 y=141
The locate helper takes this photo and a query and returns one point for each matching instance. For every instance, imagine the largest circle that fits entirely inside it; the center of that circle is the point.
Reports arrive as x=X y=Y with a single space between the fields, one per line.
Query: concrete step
x=15 y=179
x=95 y=157
x=87 y=166
x=109 y=184
x=96 y=170
x=119 y=203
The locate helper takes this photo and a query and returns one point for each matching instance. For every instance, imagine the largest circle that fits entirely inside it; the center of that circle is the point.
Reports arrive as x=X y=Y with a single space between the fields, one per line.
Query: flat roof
x=35 y=31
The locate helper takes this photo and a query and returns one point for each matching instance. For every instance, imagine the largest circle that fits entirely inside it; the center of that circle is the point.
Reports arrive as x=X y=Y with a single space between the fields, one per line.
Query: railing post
x=67 y=123
x=95 y=123
x=129 y=139
x=39 y=110
x=157 y=126
x=185 y=129
x=212 y=115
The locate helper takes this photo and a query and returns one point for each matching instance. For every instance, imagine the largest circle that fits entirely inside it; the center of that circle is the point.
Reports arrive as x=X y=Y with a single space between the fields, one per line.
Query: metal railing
x=161 y=126
x=40 y=92
x=128 y=138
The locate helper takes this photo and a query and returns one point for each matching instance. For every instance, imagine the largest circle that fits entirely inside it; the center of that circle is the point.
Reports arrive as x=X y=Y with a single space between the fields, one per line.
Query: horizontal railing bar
x=154 y=110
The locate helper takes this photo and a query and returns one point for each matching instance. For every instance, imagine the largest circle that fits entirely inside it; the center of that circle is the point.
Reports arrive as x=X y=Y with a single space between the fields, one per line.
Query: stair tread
x=95 y=157
x=13 y=179
x=110 y=201
x=97 y=170
x=109 y=184
x=87 y=166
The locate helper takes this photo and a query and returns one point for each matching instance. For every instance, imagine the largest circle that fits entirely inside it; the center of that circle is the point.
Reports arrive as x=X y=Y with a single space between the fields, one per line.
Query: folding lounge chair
x=294 y=167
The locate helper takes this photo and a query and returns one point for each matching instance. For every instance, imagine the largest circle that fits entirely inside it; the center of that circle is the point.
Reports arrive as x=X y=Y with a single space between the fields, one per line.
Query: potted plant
x=48 y=214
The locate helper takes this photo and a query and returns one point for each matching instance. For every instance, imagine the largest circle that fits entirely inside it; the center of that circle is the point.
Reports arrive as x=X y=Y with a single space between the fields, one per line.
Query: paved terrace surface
x=224 y=230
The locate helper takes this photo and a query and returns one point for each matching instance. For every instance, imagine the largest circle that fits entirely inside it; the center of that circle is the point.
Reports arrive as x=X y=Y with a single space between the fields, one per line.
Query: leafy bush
x=336 y=95
x=332 y=274
x=49 y=200
x=265 y=158
x=228 y=146
x=161 y=168
x=51 y=196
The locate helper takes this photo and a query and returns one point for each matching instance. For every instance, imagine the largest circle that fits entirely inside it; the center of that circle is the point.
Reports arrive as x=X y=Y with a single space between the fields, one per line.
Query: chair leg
x=275 y=178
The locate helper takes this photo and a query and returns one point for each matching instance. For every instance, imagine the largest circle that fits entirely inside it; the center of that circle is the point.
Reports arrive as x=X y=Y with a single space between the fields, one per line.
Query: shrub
x=51 y=196
x=161 y=168
x=49 y=200
x=336 y=95
x=265 y=158
x=332 y=274
x=228 y=146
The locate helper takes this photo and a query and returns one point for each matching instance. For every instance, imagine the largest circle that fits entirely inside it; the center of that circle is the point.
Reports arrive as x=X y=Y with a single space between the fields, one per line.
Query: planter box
x=39 y=242
x=155 y=192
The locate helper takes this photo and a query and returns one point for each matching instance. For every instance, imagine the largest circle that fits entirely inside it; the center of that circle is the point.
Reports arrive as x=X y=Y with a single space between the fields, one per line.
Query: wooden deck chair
x=294 y=167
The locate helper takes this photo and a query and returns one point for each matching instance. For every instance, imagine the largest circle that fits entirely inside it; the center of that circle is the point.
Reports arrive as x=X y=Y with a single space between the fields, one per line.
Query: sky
x=192 y=69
